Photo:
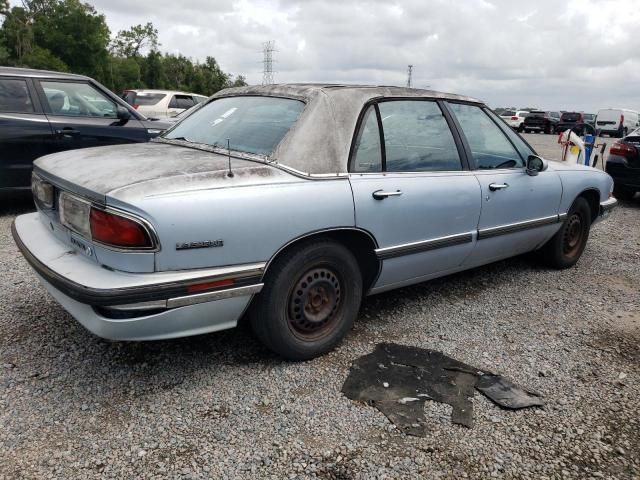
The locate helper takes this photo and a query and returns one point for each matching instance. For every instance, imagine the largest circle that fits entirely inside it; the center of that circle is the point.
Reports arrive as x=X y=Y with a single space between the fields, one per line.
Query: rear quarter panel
x=253 y=221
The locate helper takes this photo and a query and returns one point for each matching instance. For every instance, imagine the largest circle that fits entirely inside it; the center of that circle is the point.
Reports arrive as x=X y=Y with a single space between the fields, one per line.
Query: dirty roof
x=319 y=142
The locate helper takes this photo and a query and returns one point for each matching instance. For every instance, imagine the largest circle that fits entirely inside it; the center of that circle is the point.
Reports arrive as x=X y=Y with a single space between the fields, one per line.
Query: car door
x=519 y=211
x=413 y=191
x=81 y=115
x=25 y=133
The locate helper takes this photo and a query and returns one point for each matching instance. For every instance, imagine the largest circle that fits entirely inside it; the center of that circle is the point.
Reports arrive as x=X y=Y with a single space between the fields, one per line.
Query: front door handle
x=498 y=186
x=67 y=132
x=381 y=194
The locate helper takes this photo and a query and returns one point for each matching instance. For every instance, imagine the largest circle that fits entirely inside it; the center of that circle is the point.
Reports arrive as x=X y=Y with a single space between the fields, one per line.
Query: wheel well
x=361 y=245
x=593 y=198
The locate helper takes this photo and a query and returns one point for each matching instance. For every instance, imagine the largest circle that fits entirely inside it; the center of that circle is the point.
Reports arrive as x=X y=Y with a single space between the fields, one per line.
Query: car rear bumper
x=128 y=306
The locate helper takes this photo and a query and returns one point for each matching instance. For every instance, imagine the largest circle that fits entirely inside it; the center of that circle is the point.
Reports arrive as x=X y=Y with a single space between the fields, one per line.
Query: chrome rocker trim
x=423 y=246
x=519 y=226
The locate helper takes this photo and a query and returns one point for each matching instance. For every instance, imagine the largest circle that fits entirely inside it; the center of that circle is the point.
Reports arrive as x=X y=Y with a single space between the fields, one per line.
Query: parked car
x=183 y=114
x=515 y=119
x=590 y=119
x=161 y=103
x=617 y=122
x=44 y=112
x=569 y=120
x=623 y=164
x=291 y=202
x=539 y=121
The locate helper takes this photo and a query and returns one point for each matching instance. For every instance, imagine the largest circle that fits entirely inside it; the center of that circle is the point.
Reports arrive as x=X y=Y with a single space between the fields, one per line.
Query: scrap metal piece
x=505 y=393
x=399 y=379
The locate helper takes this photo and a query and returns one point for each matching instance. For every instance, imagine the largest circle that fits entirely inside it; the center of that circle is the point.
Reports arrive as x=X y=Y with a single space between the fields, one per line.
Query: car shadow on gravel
x=15 y=203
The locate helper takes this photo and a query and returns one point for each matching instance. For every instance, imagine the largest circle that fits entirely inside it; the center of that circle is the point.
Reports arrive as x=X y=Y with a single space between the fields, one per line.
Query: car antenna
x=230 y=173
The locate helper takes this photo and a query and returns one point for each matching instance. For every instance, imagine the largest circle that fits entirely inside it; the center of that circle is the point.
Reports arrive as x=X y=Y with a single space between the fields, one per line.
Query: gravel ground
x=220 y=406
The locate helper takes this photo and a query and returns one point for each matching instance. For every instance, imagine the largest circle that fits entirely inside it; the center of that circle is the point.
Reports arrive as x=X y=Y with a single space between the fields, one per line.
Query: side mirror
x=122 y=113
x=535 y=165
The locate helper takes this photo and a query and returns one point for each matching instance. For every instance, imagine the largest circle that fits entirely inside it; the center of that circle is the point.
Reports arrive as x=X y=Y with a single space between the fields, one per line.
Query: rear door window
x=367 y=155
x=490 y=147
x=148 y=99
x=417 y=137
x=14 y=96
x=182 y=101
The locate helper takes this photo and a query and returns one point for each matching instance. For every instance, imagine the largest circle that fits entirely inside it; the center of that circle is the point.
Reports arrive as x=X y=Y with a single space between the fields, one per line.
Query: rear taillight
x=624 y=150
x=514 y=118
x=135 y=105
x=118 y=231
x=621 y=120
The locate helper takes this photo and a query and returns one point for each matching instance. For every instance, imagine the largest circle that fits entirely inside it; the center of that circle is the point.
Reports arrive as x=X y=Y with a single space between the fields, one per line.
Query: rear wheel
x=310 y=300
x=565 y=247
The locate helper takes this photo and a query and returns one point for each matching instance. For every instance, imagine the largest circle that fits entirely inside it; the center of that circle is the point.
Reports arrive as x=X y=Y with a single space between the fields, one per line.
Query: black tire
x=565 y=247
x=527 y=130
x=310 y=299
x=547 y=129
x=623 y=193
x=520 y=129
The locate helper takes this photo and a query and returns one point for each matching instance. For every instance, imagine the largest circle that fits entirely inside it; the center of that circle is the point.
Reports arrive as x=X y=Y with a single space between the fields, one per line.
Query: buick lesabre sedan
x=289 y=203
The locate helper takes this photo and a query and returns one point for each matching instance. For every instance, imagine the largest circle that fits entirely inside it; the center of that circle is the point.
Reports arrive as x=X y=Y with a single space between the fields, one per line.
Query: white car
x=161 y=103
x=515 y=119
x=617 y=122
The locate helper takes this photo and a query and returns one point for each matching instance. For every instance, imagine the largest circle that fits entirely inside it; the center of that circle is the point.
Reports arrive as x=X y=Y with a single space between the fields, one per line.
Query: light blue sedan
x=288 y=203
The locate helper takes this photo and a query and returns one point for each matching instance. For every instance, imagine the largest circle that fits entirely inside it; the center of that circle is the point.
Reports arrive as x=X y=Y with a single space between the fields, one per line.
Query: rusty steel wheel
x=565 y=247
x=572 y=235
x=310 y=299
x=314 y=303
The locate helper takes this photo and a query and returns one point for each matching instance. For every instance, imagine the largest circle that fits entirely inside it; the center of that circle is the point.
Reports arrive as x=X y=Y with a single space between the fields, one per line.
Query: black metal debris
x=399 y=379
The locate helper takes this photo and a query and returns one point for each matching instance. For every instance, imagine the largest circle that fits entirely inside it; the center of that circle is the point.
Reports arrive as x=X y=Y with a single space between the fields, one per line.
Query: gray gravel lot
x=221 y=406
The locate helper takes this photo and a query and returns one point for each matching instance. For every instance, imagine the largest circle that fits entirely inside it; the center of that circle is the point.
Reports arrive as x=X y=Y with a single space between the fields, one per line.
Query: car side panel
x=252 y=222
x=577 y=180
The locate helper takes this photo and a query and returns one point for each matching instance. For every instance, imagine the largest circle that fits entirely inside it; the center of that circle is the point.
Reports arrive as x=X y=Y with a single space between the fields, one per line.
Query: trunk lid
x=130 y=172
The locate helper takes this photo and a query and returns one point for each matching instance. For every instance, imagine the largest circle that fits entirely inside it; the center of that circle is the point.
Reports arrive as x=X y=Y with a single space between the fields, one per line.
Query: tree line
x=72 y=36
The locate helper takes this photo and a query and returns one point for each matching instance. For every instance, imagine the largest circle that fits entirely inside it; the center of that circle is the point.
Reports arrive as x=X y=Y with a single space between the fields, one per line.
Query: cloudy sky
x=574 y=54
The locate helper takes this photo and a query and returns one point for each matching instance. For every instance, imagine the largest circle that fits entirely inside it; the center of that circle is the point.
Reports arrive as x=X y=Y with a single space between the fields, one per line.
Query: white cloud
x=580 y=54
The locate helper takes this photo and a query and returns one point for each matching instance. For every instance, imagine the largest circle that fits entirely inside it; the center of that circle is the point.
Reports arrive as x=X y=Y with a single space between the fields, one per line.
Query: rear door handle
x=498 y=186
x=67 y=132
x=381 y=194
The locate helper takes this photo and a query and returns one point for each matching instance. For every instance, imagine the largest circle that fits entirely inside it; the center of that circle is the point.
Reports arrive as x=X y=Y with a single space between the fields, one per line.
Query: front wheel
x=565 y=247
x=310 y=300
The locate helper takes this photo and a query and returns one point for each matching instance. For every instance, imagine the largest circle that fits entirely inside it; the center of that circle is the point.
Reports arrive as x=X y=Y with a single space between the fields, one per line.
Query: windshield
x=251 y=124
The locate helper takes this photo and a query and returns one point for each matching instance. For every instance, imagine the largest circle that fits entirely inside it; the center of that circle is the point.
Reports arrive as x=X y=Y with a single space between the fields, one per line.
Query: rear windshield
x=251 y=124
x=536 y=114
x=570 y=117
x=136 y=98
x=508 y=113
x=589 y=116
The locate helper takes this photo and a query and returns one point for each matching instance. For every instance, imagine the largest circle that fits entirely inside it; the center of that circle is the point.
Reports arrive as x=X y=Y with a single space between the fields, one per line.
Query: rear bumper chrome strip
x=423 y=246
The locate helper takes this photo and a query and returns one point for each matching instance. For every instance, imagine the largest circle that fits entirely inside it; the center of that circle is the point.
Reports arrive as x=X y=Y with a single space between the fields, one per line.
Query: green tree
x=17 y=33
x=74 y=32
x=129 y=43
x=43 y=59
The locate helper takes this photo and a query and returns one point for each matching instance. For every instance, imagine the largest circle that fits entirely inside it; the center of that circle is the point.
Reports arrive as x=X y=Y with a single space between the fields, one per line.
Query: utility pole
x=267 y=49
x=409 y=75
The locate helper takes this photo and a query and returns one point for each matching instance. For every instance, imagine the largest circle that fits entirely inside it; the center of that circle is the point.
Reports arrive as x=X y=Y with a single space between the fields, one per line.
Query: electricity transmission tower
x=409 y=75
x=267 y=49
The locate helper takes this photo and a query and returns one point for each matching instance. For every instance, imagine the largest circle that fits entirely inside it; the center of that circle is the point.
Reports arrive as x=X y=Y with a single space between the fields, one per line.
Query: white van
x=617 y=122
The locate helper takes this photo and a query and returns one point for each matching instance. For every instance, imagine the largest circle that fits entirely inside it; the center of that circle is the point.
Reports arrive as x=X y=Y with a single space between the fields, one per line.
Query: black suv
x=43 y=112
x=623 y=164
x=539 y=121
